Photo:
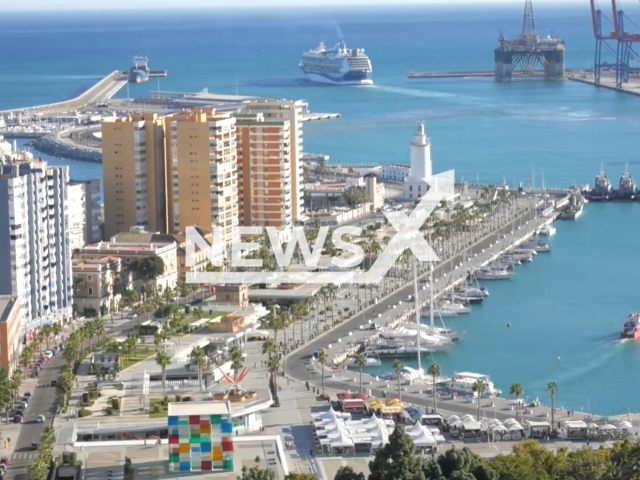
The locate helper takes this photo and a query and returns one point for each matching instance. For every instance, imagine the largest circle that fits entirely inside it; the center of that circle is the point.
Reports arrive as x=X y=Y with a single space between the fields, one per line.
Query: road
x=44 y=401
x=296 y=362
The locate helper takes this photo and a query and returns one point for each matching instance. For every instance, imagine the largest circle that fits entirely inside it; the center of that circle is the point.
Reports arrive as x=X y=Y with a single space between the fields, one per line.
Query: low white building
x=395 y=172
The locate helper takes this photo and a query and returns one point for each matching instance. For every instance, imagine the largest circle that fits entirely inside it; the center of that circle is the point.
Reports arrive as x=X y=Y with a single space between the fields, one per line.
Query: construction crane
x=618 y=43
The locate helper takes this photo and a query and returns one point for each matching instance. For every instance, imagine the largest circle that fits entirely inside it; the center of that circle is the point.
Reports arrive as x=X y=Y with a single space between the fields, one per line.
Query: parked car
x=27 y=395
x=4 y=461
x=54 y=383
x=34 y=446
x=47 y=354
x=40 y=419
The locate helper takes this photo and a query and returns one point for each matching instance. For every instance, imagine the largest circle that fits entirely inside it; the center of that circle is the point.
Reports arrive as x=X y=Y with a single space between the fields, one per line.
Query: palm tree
x=200 y=358
x=47 y=330
x=277 y=323
x=361 y=361
x=517 y=391
x=274 y=367
x=552 y=388
x=269 y=348
x=322 y=358
x=236 y=361
x=397 y=368
x=480 y=388
x=162 y=359
x=434 y=371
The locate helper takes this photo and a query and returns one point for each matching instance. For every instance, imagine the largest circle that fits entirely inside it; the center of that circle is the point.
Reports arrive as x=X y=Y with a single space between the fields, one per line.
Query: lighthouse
x=418 y=182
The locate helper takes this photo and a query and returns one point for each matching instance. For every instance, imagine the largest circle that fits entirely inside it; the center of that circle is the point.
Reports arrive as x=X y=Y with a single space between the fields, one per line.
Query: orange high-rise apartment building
x=204 y=168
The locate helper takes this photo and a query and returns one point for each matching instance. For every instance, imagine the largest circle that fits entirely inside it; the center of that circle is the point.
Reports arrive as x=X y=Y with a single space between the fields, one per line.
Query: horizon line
x=280 y=6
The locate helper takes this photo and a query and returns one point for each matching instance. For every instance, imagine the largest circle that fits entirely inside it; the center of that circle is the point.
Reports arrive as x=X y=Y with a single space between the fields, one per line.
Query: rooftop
x=6 y=306
x=199 y=408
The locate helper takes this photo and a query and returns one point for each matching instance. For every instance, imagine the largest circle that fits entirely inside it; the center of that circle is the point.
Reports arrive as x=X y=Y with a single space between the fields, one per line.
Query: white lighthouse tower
x=418 y=182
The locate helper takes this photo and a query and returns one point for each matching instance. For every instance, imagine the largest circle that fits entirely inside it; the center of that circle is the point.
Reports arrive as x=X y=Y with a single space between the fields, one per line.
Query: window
x=411 y=188
x=90 y=291
x=90 y=278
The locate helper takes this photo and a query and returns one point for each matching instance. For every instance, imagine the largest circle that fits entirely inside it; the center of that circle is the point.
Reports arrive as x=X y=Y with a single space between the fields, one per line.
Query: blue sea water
x=569 y=304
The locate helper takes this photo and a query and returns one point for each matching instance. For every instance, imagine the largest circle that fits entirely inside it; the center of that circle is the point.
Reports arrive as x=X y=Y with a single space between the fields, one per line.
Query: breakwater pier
x=103 y=90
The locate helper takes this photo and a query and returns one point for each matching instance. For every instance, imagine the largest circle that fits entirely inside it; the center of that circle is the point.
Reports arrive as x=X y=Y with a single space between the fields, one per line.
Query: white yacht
x=537 y=245
x=441 y=312
x=372 y=361
x=491 y=274
x=458 y=308
x=548 y=230
x=463 y=382
x=520 y=257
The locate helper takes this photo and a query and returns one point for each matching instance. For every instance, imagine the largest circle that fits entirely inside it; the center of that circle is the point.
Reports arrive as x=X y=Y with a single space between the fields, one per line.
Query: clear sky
x=58 y=5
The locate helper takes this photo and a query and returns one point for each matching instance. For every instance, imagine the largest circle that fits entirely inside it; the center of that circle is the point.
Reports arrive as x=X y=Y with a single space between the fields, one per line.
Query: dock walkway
x=101 y=91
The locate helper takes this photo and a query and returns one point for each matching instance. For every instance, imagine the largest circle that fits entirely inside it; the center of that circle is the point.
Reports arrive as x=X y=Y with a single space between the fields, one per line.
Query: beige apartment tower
x=203 y=168
x=202 y=171
x=134 y=174
x=264 y=174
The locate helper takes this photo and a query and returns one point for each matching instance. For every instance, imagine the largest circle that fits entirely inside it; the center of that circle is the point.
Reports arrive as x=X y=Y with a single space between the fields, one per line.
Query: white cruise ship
x=337 y=65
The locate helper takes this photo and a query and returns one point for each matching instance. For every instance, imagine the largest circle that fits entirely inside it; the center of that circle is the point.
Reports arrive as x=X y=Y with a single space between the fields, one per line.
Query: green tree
x=163 y=360
x=361 y=362
x=435 y=372
x=517 y=391
x=237 y=362
x=529 y=461
x=397 y=368
x=322 y=359
x=396 y=460
x=347 y=473
x=256 y=473
x=587 y=464
x=552 y=388
x=274 y=367
x=353 y=196
x=462 y=463
x=198 y=356
x=269 y=348
x=480 y=388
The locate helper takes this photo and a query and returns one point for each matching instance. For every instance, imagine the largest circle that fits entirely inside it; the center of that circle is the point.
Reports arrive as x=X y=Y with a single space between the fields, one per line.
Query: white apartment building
x=84 y=213
x=34 y=224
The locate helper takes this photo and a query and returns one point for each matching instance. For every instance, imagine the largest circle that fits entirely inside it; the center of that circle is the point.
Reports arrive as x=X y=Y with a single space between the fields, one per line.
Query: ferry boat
x=337 y=66
x=627 y=190
x=631 y=327
x=602 y=188
x=463 y=382
x=139 y=72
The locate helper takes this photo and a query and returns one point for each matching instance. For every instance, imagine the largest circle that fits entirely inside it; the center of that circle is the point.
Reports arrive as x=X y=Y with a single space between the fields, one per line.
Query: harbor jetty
x=105 y=89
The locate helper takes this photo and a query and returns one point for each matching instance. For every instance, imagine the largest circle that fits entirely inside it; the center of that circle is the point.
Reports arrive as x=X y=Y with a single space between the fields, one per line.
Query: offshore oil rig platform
x=529 y=55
